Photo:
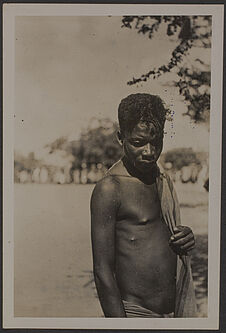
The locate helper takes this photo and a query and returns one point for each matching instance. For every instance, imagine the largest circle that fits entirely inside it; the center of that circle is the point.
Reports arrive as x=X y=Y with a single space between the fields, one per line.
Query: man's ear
x=120 y=137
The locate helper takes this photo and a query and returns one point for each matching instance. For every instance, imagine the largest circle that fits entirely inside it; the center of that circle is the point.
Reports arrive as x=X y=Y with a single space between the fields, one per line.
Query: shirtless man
x=134 y=254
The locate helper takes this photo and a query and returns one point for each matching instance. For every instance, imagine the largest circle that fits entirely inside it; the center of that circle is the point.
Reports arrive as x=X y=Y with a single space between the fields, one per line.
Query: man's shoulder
x=105 y=193
x=110 y=183
x=107 y=186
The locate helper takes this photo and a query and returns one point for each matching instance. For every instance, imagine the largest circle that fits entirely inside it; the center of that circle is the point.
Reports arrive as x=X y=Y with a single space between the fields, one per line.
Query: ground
x=52 y=258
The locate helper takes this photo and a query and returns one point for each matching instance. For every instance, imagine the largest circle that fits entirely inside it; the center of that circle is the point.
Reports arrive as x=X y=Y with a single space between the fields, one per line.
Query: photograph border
x=10 y=10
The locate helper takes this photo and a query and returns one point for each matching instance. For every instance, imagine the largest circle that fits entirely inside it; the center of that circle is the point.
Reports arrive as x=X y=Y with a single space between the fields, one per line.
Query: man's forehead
x=144 y=125
x=143 y=129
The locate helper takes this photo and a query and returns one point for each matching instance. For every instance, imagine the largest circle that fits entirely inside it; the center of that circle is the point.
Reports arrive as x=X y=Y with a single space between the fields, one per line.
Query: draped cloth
x=136 y=311
x=185 y=306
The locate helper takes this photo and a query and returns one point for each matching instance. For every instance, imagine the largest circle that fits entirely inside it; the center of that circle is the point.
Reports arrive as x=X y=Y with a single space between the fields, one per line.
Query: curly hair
x=145 y=107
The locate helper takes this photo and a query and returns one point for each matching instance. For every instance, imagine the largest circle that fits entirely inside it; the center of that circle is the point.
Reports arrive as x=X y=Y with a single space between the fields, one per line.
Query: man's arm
x=183 y=239
x=104 y=205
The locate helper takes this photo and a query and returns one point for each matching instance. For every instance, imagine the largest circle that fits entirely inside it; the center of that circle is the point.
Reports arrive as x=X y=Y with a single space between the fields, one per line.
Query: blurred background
x=70 y=75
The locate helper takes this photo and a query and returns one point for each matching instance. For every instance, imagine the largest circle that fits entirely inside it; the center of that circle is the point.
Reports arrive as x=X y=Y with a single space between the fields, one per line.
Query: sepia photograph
x=112 y=159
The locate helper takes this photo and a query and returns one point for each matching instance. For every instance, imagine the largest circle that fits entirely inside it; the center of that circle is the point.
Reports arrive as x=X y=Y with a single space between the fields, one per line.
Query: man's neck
x=148 y=177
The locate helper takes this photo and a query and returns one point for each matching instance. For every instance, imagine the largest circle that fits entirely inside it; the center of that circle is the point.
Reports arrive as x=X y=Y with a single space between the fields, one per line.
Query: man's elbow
x=103 y=276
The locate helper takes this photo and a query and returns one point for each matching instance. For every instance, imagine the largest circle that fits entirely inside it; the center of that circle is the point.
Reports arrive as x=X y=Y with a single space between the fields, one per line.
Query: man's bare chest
x=139 y=202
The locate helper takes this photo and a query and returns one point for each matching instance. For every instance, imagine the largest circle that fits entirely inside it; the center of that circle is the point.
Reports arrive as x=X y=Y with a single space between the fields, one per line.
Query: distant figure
x=44 y=175
x=92 y=174
x=100 y=171
x=23 y=176
x=194 y=172
x=185 y=174
x=36 y=175
x=83 y=175
x=140 y=251
x=206 y=185
x=59 y=177
x=67 y=173
x=76 y=176
x=203 y=176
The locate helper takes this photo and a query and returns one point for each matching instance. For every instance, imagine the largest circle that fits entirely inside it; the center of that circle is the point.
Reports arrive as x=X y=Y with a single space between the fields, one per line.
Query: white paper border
x=9 y=13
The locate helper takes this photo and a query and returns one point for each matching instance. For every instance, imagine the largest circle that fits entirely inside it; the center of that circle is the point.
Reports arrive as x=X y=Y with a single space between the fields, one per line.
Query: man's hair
x=145 y=107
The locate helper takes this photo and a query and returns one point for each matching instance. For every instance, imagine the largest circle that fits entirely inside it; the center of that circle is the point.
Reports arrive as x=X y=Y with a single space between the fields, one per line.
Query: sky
x=70 y=69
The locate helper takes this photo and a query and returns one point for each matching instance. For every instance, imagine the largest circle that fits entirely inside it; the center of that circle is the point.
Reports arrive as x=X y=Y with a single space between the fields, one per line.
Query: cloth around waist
x=133 y=310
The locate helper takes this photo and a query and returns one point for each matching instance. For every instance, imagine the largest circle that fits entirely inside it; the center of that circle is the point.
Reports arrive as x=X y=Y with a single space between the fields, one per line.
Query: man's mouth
x=147 y=162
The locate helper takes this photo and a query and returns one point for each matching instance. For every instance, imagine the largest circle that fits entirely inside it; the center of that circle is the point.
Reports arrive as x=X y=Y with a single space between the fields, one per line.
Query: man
x=140 y=252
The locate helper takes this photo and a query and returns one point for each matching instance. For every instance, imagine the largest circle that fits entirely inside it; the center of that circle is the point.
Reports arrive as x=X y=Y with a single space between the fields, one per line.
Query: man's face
x=143 y=146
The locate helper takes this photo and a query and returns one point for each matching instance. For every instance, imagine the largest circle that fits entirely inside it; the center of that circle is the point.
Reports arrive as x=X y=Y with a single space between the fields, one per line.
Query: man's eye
x=137 y=143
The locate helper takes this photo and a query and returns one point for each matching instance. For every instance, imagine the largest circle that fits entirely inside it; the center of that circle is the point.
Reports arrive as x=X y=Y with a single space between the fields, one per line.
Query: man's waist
x=135 y=310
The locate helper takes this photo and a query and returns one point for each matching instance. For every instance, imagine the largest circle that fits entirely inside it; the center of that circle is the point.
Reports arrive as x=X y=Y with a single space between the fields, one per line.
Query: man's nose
x=149 y=151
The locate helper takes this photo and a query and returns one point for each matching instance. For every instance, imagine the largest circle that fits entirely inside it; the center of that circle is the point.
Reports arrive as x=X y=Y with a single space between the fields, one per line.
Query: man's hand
x=183 y=240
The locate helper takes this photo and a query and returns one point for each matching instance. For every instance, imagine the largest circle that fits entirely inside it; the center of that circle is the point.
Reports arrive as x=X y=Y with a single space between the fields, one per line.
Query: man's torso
x=145 y=265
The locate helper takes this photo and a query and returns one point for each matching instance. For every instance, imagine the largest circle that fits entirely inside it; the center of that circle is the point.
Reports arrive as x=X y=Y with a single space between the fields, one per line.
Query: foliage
x=180 y=157
x=193 y=76
x=28 y=163
x=98 y=144
x=58 y=144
